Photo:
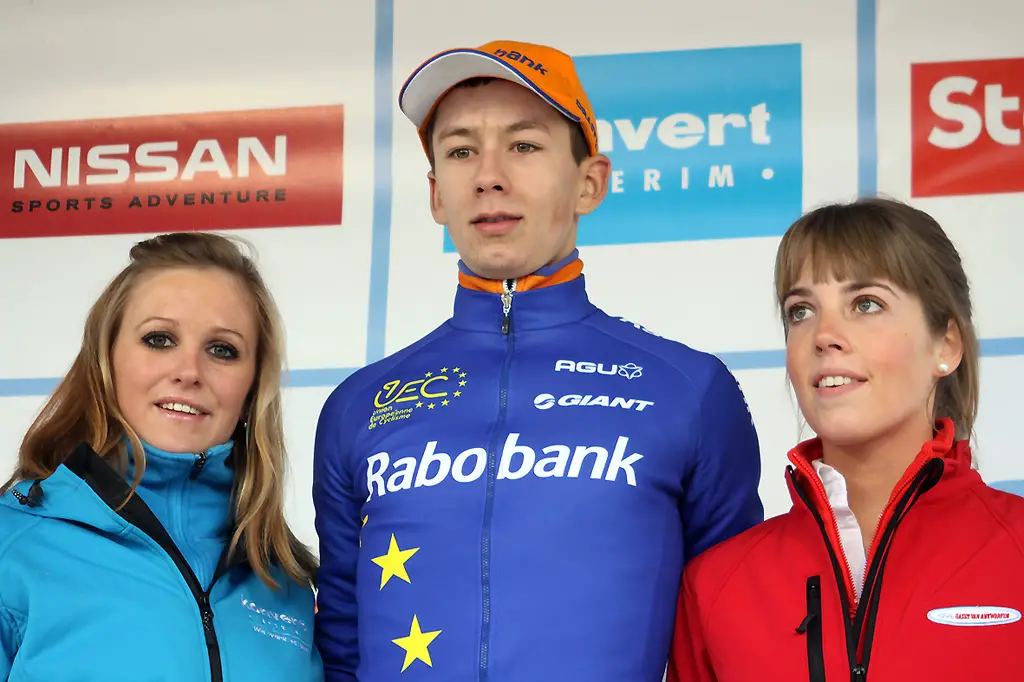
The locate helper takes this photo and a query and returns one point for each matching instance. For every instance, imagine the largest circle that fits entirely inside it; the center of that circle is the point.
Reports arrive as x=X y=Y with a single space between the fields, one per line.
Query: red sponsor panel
x=209 y=171
x=967 y=122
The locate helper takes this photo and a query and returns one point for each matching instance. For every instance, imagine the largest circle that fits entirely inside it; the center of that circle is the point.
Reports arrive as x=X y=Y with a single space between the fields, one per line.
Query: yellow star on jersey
x=416 y=644
x=365 y=519
x=393 y=563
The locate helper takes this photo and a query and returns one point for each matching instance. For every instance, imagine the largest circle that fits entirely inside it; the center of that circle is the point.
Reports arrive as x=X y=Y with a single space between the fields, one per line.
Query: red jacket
x=942 y=598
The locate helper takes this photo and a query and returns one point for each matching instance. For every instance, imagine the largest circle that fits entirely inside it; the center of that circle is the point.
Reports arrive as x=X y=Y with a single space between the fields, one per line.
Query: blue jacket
x=87 y=593
x=514 y=496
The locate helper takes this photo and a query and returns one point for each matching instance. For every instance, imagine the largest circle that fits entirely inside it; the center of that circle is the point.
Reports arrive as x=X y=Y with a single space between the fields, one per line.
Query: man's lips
x=494 y=217
x=495 y=223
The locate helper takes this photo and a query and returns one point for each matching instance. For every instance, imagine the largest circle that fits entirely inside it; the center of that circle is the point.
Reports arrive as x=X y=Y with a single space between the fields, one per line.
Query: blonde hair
x=83 y=407
x=884 y=238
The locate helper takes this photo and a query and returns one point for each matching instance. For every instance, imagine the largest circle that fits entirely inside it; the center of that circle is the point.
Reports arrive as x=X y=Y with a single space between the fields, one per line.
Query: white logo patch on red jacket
x=974 y=616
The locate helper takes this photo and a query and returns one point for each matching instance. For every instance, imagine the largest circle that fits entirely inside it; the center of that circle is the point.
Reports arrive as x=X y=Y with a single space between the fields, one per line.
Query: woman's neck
x=873 y=468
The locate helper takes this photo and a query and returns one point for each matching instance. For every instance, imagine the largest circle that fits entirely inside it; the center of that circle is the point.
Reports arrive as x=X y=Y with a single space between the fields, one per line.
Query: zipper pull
x=509 y=285
x=859 y=673
x=198 y=466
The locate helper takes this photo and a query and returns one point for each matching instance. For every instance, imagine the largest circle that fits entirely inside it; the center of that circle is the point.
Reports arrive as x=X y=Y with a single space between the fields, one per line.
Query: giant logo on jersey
x=400 y=398
x=435 y=467
x=545 y=401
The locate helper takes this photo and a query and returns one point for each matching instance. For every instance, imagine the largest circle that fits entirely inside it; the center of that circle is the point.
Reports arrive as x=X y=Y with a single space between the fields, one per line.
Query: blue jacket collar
x=60 y=495
x=163 y=468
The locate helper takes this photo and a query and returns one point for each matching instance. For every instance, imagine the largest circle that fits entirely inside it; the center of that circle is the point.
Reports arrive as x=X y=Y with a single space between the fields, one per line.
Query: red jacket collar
x=955 y=454
x=956 y=468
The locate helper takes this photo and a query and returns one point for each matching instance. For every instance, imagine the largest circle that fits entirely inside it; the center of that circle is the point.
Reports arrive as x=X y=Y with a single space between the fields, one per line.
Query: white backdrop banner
x=724 y=121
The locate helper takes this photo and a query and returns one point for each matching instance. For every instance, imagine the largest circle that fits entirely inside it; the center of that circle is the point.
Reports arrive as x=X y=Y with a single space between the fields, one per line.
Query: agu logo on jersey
x=704 y=144
x=401 y=398
x=630 y=370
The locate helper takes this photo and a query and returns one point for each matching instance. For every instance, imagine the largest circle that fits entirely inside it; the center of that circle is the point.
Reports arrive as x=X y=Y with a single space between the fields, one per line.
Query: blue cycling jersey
x=514 y=496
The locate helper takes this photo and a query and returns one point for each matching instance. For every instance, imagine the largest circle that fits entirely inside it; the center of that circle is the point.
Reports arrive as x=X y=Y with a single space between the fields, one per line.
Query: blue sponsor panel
x=704 y=144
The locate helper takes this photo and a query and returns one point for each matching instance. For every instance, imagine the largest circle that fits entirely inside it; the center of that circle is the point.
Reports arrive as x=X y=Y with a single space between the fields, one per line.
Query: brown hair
x=83 y=407
x=580 y=148
x=885 y=238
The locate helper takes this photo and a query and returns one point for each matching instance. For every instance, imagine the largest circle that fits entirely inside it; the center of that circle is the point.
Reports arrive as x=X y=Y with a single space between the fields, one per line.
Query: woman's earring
x=943 y=367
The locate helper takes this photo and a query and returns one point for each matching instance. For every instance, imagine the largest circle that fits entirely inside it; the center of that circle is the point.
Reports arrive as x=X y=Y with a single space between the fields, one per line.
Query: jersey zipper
x=860 y=616
x=508 y=289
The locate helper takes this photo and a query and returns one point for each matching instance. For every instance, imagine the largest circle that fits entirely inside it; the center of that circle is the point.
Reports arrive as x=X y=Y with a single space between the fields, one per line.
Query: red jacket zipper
x=858 y=669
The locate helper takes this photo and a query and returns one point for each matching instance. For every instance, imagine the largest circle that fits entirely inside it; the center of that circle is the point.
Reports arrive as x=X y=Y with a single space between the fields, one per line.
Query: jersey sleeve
x=337 y=508
x=721 y=496
x=688 y=659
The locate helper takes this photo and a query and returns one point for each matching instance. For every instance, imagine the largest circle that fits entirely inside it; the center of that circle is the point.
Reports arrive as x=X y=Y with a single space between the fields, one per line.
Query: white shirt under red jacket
x=942 y=592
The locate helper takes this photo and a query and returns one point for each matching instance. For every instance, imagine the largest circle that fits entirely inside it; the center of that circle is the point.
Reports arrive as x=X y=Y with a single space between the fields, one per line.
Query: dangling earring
x=943 y=367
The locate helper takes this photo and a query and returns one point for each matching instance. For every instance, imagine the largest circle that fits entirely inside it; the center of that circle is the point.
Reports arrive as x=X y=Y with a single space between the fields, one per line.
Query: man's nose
x=492 y=174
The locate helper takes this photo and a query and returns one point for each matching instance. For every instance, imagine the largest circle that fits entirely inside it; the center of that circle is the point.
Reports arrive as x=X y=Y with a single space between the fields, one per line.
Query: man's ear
x=436 y=205
x=594 y=174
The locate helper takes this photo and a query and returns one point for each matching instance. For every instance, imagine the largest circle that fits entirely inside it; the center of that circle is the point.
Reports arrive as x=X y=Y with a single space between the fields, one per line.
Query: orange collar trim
x=566 y=274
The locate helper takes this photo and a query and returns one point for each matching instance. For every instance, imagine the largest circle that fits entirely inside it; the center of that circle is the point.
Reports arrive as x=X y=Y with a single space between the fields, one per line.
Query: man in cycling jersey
x=513 y=497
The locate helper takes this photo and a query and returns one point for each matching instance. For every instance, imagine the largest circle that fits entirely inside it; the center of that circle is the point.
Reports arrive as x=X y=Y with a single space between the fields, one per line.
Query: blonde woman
x=142 y=535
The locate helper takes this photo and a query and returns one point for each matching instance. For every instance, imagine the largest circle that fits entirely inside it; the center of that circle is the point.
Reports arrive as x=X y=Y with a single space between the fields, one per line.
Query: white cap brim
x=438 y=75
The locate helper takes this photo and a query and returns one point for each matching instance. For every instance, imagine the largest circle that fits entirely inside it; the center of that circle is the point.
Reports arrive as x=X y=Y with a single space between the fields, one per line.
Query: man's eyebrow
x=518 y=126
x=458 y=131
x=526 y=124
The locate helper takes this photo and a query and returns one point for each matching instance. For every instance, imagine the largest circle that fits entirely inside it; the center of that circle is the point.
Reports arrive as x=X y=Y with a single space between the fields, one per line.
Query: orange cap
x=548 y=72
